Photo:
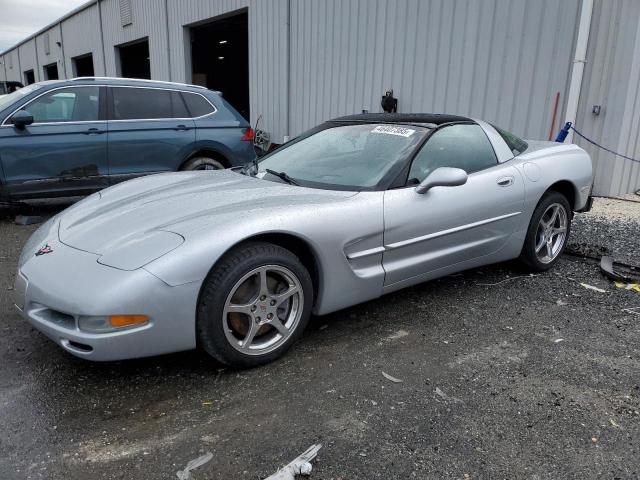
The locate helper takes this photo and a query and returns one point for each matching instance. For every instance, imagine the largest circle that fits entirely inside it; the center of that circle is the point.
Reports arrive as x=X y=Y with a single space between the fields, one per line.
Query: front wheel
x=547 y=233
x=254 y=305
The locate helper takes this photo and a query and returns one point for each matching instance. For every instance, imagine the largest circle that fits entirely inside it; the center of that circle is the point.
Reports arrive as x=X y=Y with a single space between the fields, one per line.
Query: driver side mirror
x=21 y=119
x=443 y=177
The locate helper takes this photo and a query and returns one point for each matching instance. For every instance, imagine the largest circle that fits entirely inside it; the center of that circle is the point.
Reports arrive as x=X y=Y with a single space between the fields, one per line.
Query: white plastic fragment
x=299 y=466
x=192 y=465
x=591 y=287
x=389 y=377
x=558 y=340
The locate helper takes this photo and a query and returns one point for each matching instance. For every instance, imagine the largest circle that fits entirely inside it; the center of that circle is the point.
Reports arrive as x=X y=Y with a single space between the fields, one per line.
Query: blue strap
x=600 y=146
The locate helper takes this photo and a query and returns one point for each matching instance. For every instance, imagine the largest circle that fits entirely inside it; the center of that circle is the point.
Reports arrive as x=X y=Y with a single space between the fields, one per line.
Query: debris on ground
x=633 y=310
x=389 y=377
x=444 y=396
x=619 y=272
x=506 y=280
x=299 y=466
x=192 y=465
x=398 y=334
x=591 y=287
x=635 y=287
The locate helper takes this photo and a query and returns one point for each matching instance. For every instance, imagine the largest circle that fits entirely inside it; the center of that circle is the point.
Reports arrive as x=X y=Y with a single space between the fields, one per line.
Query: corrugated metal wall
x=27 y=60
x=55 y=52
x=612 y=80
x=81 y=35
x=148 y=20
x=501 y=60
x=268 y=79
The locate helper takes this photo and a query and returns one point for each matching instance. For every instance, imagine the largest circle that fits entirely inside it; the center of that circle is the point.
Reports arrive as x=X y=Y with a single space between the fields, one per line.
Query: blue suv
x=73 y=137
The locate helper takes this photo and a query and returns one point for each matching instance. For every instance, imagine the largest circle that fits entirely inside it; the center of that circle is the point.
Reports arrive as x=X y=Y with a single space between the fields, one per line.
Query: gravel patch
x=611 y=228
x=504 y=375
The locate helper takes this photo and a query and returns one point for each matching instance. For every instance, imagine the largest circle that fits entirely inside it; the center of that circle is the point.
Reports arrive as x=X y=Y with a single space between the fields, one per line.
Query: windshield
x=17 y=95
x=345 y=157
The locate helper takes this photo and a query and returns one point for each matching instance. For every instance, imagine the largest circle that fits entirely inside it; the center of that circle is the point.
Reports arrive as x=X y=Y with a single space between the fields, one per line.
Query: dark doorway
x=29 y=77
x=134 y=60
x=51 y=71
x=83 y=66
x=220 y=58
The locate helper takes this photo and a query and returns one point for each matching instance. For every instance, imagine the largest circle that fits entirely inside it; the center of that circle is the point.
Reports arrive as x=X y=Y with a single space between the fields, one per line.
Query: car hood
x=179 y=203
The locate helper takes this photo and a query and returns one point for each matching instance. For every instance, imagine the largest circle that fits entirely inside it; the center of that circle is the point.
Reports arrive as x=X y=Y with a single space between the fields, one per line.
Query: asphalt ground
x=503 y=375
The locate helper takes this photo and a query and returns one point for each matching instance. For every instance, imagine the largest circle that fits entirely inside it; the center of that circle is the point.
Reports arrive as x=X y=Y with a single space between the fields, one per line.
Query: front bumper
x=53 y=290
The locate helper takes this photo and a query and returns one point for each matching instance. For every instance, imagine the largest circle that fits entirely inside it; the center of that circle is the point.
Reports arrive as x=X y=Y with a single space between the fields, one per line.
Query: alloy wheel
x=551 y=233
x=263 y=309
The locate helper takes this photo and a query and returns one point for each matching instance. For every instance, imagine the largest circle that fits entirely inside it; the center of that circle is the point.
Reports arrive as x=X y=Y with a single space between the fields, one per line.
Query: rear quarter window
x=198 y=105
x=516 y=144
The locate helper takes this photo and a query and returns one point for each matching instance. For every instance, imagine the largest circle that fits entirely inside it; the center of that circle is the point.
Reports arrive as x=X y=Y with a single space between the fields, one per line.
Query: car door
x=64 y=150
x=448 y=225
x=149 y=131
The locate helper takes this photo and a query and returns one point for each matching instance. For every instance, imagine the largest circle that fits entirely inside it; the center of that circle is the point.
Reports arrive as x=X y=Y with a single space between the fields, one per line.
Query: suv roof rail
x=142 y=80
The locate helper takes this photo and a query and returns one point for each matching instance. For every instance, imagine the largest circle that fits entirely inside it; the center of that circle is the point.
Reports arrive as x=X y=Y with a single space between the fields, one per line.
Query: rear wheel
x=547 y=233
x=254 y=305
x=202 y=163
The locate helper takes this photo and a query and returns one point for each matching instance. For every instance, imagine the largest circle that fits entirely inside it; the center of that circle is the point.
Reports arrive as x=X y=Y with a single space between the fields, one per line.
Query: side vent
x=126 y=15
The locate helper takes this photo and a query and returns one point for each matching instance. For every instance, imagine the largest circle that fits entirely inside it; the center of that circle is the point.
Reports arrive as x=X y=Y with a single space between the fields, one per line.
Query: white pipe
x=580 y=58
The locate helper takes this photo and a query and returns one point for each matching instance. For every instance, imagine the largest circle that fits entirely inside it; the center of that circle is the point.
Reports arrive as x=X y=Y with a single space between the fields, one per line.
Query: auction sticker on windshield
x=393 y=130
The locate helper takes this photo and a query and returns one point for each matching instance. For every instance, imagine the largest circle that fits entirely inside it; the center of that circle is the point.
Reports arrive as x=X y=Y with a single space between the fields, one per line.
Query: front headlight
x=136 y=252
x=112 y=323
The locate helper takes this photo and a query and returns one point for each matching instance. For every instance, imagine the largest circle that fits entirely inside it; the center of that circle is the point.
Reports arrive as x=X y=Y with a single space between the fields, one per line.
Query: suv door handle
x=505 y=181
x=181 y=128
x=93 y=131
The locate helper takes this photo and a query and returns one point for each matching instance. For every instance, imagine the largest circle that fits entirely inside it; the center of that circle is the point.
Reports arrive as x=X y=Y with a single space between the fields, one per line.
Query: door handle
x=505 y=181
x=93 y=131
x=181 y=128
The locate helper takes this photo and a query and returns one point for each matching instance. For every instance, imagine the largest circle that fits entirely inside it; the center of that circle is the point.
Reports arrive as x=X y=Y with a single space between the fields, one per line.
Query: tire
x=234 y=304
x=536 y=252
x=202 y=163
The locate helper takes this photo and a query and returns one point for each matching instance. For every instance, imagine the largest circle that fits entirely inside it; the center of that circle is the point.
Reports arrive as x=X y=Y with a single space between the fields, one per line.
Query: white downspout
x=580 y=58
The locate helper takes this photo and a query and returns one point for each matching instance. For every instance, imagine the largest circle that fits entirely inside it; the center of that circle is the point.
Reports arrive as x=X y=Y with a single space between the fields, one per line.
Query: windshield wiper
x=283 y=176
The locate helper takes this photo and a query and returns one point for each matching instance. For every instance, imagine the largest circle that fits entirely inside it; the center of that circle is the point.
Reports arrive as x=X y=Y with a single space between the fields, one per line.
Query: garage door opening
x=29 y=77
x=83 y=66
x=51 y=71
x=134 y=60
x=220 y=58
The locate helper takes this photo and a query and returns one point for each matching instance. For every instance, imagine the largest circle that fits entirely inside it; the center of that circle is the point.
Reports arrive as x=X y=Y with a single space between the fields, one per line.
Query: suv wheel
x=202 y=163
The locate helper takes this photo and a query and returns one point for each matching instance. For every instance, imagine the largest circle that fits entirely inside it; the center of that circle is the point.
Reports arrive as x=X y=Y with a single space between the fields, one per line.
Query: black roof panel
x=433 y=118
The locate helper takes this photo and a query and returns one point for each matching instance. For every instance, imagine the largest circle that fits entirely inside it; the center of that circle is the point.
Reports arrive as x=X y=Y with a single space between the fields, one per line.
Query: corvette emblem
x=43 y=250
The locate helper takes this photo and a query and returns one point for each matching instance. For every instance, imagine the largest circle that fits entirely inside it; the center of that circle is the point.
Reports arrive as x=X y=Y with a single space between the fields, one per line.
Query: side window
x=74 y=104
x=3 y=90
x=146 y=104
x=462 y=146
x=197 y=104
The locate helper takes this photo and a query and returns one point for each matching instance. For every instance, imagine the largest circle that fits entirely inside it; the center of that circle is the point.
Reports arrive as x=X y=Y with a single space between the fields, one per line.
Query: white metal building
x=295 y=63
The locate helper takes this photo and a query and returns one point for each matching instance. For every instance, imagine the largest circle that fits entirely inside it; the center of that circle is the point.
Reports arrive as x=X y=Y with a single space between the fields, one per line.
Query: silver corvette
x=235 y=261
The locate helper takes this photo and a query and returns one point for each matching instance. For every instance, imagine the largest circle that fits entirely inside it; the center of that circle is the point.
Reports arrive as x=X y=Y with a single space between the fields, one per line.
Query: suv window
x=73 y=104
x=516 y=144
x=147 y=104
x=197 y=104
x=462 y=146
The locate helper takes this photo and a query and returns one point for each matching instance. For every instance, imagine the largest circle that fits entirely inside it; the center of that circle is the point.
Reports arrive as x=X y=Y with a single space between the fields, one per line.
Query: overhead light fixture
x=220 y=58
x=222 y=42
